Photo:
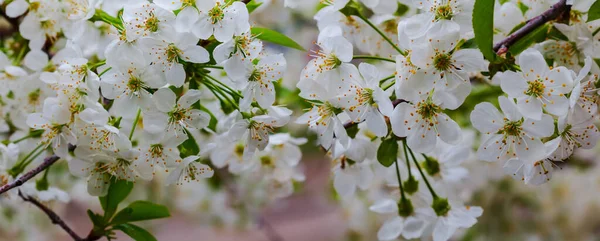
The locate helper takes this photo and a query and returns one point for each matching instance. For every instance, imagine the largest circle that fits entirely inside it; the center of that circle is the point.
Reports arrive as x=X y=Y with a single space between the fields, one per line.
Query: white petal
x=413 y=228
x=532 y=64
x=384 y=206
x=164 y=99
x=448 y=130
x=391 y=229
x=486 y=118
x=195 y=54
x=176 y=75
x=542 y=128
x=530 y=107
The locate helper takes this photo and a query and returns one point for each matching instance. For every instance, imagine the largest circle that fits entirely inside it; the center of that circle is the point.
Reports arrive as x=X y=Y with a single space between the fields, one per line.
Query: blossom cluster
x=126 y=89
x=548 y=112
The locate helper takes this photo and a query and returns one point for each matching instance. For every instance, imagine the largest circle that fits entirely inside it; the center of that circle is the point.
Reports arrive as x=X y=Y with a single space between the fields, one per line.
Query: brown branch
x=45 y=164
x=53 y=216
x=48 y=161
x=395 y=103
x=554 y=12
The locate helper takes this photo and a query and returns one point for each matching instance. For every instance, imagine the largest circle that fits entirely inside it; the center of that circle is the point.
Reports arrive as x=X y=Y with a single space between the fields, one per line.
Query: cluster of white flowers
x=548 y=113
x=123 y=90
x=126 y=89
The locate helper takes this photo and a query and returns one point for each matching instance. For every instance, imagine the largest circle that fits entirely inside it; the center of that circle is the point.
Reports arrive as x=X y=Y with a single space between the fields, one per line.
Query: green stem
x=382 y=35
x=106 y=70
x=19 y=57
x=388 y=85
x=33 y=158
x=28 y=155
x=211 y=67
x=422 y=174
x=386 y=78
x=218 y=91
x=595 y=32
x=399 y=180
x=135 y=121
x=34 y=133
x=100 y=15
x=373 y=58
x=230 y=90
x=96 y=65
x=406 y=157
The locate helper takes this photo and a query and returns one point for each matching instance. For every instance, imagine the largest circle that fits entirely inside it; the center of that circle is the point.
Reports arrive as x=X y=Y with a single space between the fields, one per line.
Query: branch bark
x=554 y=12
x=48 y=161
x=52 y=215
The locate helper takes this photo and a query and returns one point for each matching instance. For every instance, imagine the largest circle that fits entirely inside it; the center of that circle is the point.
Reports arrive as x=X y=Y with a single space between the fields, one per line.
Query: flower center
x=535 y=88
x=177 y=115
x=152 y=23
x=427 y=110
x=255 y=76
x=156 y=150
x=443 y=12
x=187 y=3
x=135 y=84
x=34 y=97
x=390 y=26
x=266 y=161
x=216 y=14
x=511 y=128
x=366 y=96
x=442 y=61
x=172 y=53
x=239 y=149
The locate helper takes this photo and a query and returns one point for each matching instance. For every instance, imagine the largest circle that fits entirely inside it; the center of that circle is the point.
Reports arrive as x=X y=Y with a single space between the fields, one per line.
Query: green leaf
x=137 y=233
x=483 y=26
x=536 y=36
x=117 y=192
x=387 y=152
x=252 y=5
x=275 y=37
x=594 y=12
x=401 y=10
x=139 y=211
x=96 y=219
x=352 y=131
x=189 y=147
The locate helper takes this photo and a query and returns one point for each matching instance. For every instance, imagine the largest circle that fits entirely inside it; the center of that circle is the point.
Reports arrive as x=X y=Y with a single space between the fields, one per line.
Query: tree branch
x=53 y=216
x=45 y=164
x=554 y=12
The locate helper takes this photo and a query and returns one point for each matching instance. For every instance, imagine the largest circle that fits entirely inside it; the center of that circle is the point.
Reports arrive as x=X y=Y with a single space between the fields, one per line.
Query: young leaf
x=536 y=36
x=96 y=219
x=140 y=210
x=483 y=26
x=189 y=147
x=117 y=192
x=387 y=152
x=137 y=233
x=594 y=12
x=252 y=5
x=275 y=37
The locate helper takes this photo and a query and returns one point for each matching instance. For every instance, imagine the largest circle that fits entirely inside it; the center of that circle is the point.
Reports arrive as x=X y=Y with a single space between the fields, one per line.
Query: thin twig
x=45 y=164
x=52 y=215
x=554 y=12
